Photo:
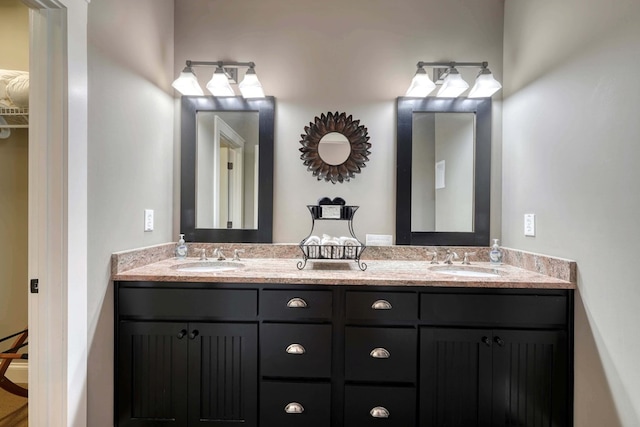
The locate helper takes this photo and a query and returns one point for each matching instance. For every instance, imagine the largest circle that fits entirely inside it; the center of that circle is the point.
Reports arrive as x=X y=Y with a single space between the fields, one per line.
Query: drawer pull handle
x=182 y=334
x=379 y=412
x=499 y=341
x=381 y=304
x=297 y=303
x=295 y=349
x=380 y=353
x=294 y=408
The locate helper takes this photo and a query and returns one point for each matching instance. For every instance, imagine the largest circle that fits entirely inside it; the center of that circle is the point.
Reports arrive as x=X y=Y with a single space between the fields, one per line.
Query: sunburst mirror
x=335 y=147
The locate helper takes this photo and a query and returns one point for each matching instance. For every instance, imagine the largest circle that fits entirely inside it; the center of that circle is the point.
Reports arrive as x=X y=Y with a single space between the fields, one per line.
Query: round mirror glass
x=334 y=148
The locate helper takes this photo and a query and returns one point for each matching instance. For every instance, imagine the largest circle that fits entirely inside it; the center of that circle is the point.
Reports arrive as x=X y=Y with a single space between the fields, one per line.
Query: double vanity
x=257 y=342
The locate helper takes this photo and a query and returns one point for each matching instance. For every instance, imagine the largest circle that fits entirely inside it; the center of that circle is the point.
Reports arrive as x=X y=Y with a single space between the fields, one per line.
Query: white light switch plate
x=529 y=224
x=148 y=220
x=379 y=240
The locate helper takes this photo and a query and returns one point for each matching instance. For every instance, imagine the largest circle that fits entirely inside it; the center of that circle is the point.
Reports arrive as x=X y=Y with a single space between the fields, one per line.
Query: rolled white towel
x=350 y=246
x=312 y=240
x=330 y=247
x=312 y=243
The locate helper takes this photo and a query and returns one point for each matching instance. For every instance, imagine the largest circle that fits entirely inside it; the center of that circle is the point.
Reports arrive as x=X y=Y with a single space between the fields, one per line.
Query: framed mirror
x=227 y=169
x=443 y=171
x=335 y=147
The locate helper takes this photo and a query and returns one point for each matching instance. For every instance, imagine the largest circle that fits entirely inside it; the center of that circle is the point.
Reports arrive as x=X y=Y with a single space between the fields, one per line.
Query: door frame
x=58 y=212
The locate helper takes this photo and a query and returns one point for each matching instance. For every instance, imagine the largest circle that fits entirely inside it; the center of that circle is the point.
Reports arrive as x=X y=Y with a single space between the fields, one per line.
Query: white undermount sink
x=208 y=266
x=466 y=271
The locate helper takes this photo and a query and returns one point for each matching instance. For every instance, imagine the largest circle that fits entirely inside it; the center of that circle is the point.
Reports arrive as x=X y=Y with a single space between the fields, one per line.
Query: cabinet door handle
x=295 y=349
x=182 y=333
x=297 y=303
x=194 y=334
x=380 y=353
x=381 y=304
x=294 y=408
x=379 y=412
x=499 y=341
x=486 y=341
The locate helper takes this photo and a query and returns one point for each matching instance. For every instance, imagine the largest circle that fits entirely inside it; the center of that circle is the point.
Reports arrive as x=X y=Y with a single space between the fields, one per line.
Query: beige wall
x=130 y=166
x=571 y=156
x=14 y=177
x=351 y=56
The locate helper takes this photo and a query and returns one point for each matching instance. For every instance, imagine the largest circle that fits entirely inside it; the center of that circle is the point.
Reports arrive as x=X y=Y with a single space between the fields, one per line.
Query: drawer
x=379 y=406
x=382 y=306
x=281 y=403
x=295 y=351
x=187 y=304
x=380 y=354
x=295 y=305
x=492 y=310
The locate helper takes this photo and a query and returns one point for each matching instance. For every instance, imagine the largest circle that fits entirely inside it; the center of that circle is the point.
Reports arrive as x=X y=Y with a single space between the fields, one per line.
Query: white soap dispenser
x=495 y=256
x=181 y=249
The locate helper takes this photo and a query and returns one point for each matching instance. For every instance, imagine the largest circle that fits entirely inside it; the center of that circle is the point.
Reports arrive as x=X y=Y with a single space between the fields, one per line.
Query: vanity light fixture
x=220 y=84
x=486 y=85
x=452 y=84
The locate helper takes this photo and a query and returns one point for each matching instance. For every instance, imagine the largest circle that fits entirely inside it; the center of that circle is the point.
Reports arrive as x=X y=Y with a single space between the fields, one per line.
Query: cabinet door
x=529 y=378
x=223 y=374
x=152 y=374
x=455 y=377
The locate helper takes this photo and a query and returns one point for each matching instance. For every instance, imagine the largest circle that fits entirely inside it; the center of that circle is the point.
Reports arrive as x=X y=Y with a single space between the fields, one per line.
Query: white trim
x=58 y=213
x=18 y=372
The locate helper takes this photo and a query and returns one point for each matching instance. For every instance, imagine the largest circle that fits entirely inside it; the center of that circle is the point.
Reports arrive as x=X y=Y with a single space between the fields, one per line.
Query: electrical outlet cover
x=529 y=225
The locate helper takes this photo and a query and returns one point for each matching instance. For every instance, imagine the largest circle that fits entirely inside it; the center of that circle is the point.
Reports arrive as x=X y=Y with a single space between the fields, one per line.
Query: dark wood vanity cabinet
x=198 y=371
x=342 y=356
x=495 y=360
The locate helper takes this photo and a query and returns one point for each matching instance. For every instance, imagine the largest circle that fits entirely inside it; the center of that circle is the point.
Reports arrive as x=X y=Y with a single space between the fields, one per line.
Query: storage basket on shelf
x=332 y=248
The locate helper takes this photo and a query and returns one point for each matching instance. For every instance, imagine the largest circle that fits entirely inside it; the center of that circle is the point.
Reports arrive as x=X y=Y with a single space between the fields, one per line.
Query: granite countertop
x=153 y=264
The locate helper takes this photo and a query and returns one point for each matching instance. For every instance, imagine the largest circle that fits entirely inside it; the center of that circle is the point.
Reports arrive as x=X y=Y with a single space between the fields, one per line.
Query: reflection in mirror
x=442 y=172
x=334 y=148
x=227 y=169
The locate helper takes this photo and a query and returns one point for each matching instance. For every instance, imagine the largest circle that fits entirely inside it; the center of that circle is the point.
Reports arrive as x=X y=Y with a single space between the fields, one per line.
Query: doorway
x=14 y=194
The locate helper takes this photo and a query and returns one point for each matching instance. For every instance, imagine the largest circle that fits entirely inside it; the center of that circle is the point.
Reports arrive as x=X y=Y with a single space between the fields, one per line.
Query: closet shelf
x=15 y=117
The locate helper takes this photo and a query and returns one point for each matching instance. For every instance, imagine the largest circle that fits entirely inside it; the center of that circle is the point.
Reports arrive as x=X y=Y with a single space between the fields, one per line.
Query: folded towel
x=14 y=87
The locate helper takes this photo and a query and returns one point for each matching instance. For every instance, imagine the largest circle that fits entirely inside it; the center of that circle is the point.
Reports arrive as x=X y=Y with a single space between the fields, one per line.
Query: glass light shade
x=250 y=86
x=485 y=86
x=219 y=84
x=453 y=85
x=187 y=83
x=421 y=84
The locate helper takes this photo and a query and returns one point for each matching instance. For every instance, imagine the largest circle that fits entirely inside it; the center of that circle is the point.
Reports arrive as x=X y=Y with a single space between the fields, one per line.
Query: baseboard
x=18 y=372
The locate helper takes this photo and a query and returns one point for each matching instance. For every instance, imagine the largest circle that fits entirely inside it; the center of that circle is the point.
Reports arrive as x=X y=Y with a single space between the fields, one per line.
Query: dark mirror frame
x=355 y=133
x=482 y=174
x=265 y=107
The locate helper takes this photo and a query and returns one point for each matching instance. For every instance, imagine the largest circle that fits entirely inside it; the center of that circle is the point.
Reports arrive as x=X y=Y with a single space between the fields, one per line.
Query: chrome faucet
x=450 y=256
x=236 y=254
x=465 y=258
x=218 y=253
x=434 y=257
x=203 y=254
